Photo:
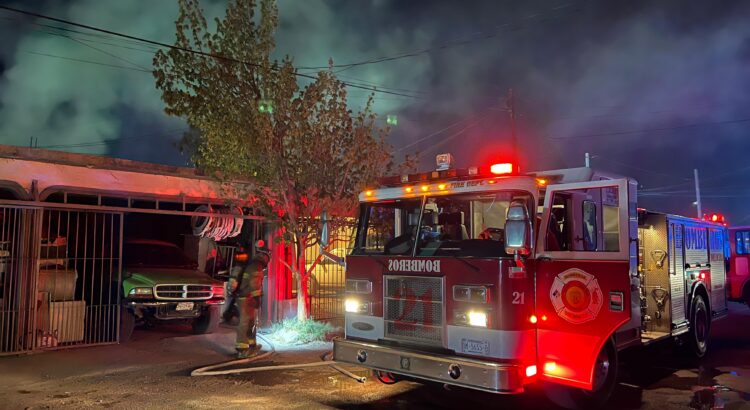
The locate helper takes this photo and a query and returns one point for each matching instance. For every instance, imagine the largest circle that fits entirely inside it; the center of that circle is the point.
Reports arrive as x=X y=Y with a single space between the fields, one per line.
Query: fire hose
x=211 y=370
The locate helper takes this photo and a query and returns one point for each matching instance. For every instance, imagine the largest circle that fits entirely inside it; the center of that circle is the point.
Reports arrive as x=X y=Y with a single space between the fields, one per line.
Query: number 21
x=518 y=298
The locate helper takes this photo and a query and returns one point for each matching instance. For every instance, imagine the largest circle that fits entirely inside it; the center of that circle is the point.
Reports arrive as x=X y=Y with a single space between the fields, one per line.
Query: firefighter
x=246 y=283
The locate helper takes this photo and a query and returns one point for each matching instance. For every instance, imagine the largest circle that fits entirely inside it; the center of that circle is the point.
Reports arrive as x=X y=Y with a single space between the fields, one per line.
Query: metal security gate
x=328 y=279
x=60 y=279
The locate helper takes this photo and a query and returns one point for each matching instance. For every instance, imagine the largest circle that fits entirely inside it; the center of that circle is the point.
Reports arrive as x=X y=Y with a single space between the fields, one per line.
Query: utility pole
x=510 y=105
x=588 y=160
x=698 y=193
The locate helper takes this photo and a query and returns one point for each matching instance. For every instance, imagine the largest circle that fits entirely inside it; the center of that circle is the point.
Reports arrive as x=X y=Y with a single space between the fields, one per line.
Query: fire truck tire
x=127 y=324
x=605 y=380
x=208 y=322
x=700 y=325
x=385 y=377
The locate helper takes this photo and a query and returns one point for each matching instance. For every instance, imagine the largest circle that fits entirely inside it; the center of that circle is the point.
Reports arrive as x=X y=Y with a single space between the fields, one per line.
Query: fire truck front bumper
x=459 y=371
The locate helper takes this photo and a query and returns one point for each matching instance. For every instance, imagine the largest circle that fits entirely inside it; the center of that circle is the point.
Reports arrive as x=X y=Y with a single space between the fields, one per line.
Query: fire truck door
x=583 y=287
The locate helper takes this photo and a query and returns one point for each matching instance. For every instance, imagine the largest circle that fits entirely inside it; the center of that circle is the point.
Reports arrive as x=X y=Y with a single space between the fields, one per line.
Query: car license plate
x=475 y=347
x=184 y=306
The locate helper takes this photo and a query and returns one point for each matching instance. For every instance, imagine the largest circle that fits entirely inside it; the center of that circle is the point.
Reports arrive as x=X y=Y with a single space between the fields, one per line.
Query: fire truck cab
x=738 y=278
x=490 y=279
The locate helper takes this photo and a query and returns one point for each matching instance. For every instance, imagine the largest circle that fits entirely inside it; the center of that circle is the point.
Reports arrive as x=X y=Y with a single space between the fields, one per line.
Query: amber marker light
x=369 y=193
x=442 y=186
x=424 y=188
x=541 y=182
x=408 y=190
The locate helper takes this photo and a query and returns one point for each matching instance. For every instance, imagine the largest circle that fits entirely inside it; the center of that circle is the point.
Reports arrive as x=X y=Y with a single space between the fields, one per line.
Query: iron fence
x=60 y=271
x=328 y=279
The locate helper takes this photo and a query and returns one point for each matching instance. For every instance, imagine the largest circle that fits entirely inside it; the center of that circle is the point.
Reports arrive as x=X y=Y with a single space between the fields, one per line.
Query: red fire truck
x=490 y=279
x=738 y=278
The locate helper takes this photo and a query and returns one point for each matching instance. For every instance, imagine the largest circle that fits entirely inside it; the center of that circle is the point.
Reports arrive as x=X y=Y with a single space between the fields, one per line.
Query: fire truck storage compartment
x=653 y=267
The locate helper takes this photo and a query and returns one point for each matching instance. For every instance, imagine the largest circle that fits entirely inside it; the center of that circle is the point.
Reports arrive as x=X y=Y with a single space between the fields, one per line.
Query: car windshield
x=469 y=225
x=388 y=227
x=138 y=255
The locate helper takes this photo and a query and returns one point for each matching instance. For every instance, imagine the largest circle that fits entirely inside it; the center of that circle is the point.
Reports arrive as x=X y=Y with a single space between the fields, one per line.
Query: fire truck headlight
x=356 y=306
x=471 y=318
x=477 y=318
x=358 y=286
x=475 y=294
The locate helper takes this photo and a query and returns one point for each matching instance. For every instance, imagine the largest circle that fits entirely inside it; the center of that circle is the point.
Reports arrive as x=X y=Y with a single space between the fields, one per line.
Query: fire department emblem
x=576 y=296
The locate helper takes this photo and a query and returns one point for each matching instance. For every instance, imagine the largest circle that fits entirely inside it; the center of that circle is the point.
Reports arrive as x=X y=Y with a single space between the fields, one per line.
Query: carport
x=63 y=217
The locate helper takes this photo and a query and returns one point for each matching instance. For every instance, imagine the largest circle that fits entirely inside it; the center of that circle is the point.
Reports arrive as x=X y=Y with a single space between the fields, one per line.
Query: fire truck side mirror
x=518 y=230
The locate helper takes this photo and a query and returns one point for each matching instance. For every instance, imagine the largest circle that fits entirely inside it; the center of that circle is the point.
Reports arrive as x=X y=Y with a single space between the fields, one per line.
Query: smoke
x=587 y=77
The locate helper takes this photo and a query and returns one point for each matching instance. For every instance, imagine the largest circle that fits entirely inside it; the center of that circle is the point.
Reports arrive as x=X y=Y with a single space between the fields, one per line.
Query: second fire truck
x=490 y=279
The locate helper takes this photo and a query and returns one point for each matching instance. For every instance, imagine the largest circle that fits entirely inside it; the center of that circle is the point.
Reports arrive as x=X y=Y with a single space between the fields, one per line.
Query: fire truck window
x=466 y=225
x=586 y=220
x=589 y=226
x=388 y=228
x=742 y=242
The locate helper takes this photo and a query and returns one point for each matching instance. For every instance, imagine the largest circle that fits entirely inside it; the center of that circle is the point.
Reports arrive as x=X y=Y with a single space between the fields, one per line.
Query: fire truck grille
x=177 y=292
x=413 y=309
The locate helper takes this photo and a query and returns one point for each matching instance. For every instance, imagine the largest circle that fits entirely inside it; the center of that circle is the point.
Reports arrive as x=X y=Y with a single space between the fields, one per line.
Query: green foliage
x=302 y=147
x=297 y=332
x=299 y=149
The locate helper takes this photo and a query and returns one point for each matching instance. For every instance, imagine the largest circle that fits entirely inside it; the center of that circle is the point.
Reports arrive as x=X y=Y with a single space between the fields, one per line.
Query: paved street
x=153 y=370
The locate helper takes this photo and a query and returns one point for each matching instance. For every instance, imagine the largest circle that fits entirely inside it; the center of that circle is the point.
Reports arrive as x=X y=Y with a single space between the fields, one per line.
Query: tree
x=304 y=151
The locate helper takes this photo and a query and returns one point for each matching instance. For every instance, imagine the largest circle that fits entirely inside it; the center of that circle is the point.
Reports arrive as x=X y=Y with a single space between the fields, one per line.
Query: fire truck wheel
x=208 y=321
x=605 y=379
x=699 y=328
x=385 y=377
x=127 y=324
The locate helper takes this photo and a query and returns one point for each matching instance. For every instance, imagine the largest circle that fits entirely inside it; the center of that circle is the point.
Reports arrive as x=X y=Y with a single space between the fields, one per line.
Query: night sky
x=650 y=89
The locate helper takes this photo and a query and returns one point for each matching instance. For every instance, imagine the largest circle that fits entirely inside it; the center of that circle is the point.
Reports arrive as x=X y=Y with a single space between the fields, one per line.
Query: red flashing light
x=703 y=275
x=714 y=218
x=531 y=371
x=533 y=319
x=503 y=168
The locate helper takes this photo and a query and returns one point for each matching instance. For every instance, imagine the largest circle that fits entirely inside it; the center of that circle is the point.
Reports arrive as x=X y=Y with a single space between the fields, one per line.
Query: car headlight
x=477 y=318
x=141 y=292
x=358 y=286
x=474 y=294
x=357 y=306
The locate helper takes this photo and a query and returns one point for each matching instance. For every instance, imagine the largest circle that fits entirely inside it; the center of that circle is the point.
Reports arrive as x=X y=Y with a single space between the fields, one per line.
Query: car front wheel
x=208 y=321
x=127 y=324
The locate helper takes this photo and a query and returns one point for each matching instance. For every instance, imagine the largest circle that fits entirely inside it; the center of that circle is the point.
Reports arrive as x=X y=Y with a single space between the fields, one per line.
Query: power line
x=80 y=60
x=116 y=140
x=641 y=131
x=440 y=131
x=184 y=49
x=480 y=35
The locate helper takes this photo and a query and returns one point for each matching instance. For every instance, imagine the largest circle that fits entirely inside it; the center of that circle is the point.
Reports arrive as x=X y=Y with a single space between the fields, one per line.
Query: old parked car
x=160 y=283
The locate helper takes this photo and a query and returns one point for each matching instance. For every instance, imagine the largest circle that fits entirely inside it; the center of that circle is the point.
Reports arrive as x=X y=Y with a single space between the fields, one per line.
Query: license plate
x=184 y=306
x=475 y=347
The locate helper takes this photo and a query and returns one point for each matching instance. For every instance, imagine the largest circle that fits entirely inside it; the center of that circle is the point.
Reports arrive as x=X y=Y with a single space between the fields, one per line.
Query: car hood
x=162 y=276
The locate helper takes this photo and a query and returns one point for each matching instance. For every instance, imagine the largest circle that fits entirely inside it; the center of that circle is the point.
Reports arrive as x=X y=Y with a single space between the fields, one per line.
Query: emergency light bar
x=445 y=171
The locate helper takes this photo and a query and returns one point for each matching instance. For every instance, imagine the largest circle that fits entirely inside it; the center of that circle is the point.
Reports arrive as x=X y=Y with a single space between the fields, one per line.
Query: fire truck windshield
x=467 y=225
